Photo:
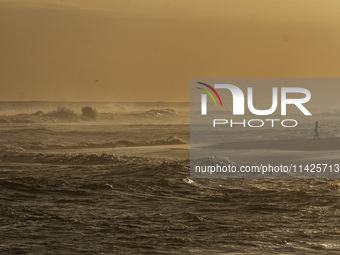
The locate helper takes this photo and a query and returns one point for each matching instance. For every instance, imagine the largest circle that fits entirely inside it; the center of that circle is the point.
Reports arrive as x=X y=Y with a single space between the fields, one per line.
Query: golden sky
x=147 y=50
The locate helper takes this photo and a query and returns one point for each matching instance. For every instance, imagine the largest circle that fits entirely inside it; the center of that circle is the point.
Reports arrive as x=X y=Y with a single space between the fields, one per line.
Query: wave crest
x=160 y=112
x=172 y=140
x=78 y=159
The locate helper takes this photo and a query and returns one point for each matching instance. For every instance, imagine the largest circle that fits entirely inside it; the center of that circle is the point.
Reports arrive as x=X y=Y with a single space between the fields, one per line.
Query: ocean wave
x=160 y=112
x=77 y=158
x=61 y=114
x=172 y=140
x=87 y=113
x=65 y=114
x=10 y=148
x=168 y=141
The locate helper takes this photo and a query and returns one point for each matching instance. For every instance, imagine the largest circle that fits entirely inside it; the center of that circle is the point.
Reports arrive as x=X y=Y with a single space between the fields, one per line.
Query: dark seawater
x=140 y=207
x=58 y=199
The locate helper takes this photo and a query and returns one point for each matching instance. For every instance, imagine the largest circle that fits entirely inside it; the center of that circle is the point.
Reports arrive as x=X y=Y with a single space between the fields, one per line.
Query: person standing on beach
x=316 y=131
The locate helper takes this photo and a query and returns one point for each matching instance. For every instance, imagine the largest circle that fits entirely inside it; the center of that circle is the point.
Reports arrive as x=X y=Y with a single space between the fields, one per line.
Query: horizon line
x=66 y=101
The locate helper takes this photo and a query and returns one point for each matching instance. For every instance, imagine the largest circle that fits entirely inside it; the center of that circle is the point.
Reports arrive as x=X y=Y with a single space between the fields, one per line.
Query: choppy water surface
x=60 y=202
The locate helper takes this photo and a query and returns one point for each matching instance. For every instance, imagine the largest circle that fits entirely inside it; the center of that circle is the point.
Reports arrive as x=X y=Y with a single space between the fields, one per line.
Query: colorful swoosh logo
x=209 y=93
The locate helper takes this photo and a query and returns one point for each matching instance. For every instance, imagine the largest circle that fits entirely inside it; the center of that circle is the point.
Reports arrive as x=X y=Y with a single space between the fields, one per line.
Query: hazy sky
x=147 y=50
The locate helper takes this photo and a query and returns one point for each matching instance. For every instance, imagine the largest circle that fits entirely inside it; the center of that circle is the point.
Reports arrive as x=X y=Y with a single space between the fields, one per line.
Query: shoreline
x=287 y=144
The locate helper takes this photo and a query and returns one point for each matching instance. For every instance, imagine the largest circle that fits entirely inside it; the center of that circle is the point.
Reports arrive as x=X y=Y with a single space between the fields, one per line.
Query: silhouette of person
x=316 y=131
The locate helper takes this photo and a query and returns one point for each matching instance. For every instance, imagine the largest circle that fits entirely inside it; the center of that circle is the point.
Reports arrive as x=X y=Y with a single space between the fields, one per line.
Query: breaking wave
x=61 y=114
x=86 y=113
x=78 y=159
x=160 y=112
